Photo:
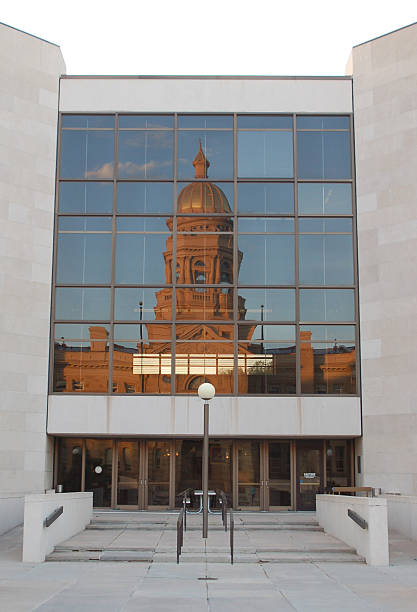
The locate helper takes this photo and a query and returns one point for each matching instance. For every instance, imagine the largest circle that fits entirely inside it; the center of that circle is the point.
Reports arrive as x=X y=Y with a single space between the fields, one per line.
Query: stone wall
x=29 y=83
x=385 y=106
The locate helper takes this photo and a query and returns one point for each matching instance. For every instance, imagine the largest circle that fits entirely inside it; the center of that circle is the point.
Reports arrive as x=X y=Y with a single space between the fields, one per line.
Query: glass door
x=309 y=473
x=220 y=470
x=128 y=476
x=156 y=481
x=188 y=465
x=248 y=474
x=278 y=475
x=98 y=471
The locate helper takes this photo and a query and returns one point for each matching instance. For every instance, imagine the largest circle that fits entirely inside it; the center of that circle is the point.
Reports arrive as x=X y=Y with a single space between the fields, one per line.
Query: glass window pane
x=79 y=331
x=82 y=304
x=325 y=225
x=146 y=121
x=266 y=304
x=204 y=331
x=328 y=368
x=142 y=367
x=135 y=303
x=264 y=226
x=265 y=154
x=99 y=453
x=266 y=368
x=217 y=147
x=326 y=260
x=324 y=155
x=82 y=367
x=202 y=304
x=248 y=461
x=144 y=197
x=197 y=198
x=88 y=121
x=266 y=260
x=139 y=332
x=266 y=198
x=140 y=259
x=338 y=464
x=87 y=154
x=259 y=333
x=86 y=198
x=69 y=464
x=205 y=121
x=323 y=122
x=197 y=362
x=84 y=258
x=85 y=224
x=327 y=305
x=191 y=225
x=327 y=333
x=204 y=259
x=145 y=154
x=143 y=224
x=264 y=122
x=324 y=198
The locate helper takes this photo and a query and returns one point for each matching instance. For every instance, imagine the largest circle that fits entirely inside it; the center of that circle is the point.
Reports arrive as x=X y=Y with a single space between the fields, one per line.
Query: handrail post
x=232 y=529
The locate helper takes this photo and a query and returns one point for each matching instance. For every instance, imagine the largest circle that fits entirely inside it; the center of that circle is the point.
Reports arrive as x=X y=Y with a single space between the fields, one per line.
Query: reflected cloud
x=104 y=172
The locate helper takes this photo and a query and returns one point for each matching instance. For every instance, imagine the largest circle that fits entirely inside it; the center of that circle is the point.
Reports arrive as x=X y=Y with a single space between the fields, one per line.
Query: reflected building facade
x=203 y=250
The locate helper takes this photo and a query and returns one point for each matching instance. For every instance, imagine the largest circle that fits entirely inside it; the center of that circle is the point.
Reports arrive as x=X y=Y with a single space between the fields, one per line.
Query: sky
x=259 y=37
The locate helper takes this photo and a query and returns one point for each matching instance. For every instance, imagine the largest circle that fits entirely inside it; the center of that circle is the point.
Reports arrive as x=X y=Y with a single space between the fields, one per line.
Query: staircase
x=151 y=537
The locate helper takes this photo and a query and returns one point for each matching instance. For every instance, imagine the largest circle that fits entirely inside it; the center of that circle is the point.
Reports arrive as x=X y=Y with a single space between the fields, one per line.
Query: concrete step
x=209 y=557
x=172 y=527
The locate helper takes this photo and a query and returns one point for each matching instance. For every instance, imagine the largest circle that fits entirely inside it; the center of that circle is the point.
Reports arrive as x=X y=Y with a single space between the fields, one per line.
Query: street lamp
x=206 y=392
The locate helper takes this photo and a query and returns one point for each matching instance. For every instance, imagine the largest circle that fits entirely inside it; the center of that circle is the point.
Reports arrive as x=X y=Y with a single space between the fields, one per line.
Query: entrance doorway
x=255 y=474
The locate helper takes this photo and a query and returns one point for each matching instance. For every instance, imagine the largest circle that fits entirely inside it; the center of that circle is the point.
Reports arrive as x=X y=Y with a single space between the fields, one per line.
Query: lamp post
x=141 y=344
x=206 y=392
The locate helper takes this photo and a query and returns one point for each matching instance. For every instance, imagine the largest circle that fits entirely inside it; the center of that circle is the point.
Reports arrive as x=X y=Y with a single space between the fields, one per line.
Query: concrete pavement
x=205 y=586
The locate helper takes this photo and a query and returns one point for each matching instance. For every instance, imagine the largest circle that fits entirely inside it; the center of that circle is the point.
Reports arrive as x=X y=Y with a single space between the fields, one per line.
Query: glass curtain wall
x=194 y=248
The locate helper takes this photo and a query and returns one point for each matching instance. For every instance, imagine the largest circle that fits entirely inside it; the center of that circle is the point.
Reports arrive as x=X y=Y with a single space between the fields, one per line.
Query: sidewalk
x=205 y=586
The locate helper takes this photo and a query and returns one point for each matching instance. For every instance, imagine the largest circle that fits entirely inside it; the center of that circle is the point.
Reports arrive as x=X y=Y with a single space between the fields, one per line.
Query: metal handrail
x=357 y=519
x=51 y=518
x=232 y=533
x=223 y=502
x=180 y=533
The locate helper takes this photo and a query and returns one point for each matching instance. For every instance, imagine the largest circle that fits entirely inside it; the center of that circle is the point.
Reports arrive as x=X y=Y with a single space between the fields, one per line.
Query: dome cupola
x=202 y=197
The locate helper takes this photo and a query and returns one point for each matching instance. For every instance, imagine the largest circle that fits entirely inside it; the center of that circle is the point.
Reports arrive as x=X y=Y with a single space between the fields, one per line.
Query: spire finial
x=201 y=163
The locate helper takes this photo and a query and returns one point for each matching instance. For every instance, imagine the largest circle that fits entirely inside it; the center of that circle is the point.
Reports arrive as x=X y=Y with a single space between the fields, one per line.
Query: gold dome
x=202 y=197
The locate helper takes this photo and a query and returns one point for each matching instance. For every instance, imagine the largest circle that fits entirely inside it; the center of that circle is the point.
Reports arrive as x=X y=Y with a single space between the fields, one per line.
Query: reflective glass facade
x=194 y=248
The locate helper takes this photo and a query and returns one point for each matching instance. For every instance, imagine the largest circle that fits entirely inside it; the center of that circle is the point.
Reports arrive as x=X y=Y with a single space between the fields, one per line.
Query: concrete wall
x=370 y=543
x=385 y=106
x=212 y=95
x=229 y=416
x=402 y=514
x=30 y=68
x=11 y=511
x=38 y=540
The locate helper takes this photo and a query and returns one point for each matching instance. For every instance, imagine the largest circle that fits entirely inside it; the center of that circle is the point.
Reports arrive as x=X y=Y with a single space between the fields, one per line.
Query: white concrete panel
x=182 y=416
x=372 y=542
x=39 y=540
x=243 y=95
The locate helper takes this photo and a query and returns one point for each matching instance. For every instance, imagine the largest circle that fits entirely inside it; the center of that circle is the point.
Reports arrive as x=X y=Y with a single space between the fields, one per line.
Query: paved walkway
x=205 y=586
